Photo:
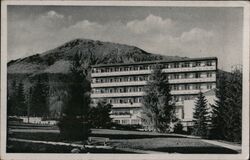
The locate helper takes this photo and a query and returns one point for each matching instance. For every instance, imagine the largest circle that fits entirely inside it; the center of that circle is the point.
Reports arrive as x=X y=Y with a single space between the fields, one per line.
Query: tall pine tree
x=219 y=109
x=234 y=104
x=11 y=99
x=74 y=121
x=158 y=104
x=227 y=110
x=200 y=116
x=39 y=103
x=21 y=106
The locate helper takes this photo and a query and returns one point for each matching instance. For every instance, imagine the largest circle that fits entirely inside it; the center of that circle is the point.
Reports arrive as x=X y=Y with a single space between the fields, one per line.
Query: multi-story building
x=122 y=85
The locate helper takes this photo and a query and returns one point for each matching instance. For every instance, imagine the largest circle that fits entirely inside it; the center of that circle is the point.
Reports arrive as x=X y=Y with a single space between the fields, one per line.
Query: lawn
x=148 y=141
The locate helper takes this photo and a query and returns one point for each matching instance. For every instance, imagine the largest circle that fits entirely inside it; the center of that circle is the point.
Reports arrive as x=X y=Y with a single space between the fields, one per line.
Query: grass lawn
x=171 y=145
x=137 y=140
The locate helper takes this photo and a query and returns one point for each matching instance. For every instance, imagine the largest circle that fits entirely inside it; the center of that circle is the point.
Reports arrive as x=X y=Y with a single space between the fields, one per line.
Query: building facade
x=122 y=85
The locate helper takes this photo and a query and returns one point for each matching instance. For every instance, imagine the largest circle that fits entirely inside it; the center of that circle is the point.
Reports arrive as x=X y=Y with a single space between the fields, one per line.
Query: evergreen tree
x=219 y=110
x=11 y=99
x=200 y=116
x=234 y=104
x=158 y=104
x=39 y=105
x=100 y=115
x=227 y=110
x=21 y=106
x=74 y=121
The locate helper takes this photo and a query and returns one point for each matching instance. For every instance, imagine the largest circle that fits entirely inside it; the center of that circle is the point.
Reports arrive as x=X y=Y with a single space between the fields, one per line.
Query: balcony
x=120 y=116
x=192 y=80
x=127 y=105
x=126 y=94
x=120 y=73
x=189 y=69
x=116 y=84
x=178 y=92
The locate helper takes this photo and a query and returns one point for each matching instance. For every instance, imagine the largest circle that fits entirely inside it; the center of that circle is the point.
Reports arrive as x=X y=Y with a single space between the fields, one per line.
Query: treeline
x=221 y=120
x=224 y=121
x=32 y=102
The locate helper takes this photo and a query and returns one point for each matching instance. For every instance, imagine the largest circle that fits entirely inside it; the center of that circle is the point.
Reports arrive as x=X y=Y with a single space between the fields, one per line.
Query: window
x=209 y=63
x=197 y=86
x=186 y=64
x=110 y=90
x=209 y=74
x=197 y=75
x=198 y=64
x=166 y=65
x=176 y=76
x=135 y=121
x=209 y=86
x=121 y=101
x=176 y=65
x=117 y=121
x=176 y=87
x=110 y=100
x=185 y=75
x=186 y=87
x=125 y=121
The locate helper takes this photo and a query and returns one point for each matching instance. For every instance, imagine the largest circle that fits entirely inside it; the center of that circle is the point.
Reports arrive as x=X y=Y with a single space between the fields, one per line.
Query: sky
x=173 y=31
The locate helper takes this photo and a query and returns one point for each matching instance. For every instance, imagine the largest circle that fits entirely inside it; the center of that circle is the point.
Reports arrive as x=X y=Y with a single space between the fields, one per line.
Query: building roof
x=154 y=62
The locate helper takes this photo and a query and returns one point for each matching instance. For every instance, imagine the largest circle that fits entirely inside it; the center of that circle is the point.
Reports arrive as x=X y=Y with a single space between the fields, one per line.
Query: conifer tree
x=74 y=121
x=39 y=105
x=234 y=104
x=158 y=104
x=219 y=109
x=200 y=116
x=100 y=115
x=227 y=110
x=11 y=99
x=21 y=106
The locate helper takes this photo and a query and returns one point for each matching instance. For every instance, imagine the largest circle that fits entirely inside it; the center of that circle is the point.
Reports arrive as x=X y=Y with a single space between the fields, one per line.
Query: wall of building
x=123 y=85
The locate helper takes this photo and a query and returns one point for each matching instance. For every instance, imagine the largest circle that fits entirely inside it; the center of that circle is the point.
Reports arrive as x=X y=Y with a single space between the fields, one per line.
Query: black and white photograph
x=124 y=79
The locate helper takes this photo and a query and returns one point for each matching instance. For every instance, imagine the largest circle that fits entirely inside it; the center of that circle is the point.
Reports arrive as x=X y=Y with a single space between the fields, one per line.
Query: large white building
x=122 y=85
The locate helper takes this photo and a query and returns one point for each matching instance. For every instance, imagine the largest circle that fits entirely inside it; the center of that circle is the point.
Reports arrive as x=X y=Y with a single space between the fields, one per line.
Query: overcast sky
x=180 y=31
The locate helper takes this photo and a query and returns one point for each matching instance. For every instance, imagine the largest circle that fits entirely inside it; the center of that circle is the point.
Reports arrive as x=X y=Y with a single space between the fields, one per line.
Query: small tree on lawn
x=100 y=115
x=74 y=123
x=158 y=104
x=200 y=116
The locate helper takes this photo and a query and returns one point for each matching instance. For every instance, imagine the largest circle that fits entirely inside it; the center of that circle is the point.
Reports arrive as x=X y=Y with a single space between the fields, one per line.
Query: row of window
x=145 y=78
x=130 y=101
x=182 y=98
x=126 y=121
x=192 y=87
x=141 y=89
x=149 y=67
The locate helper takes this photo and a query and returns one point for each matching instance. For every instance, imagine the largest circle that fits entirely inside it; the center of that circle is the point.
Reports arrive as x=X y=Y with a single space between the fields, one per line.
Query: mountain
x=93 y=52
x=54 y=65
